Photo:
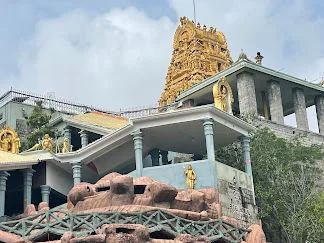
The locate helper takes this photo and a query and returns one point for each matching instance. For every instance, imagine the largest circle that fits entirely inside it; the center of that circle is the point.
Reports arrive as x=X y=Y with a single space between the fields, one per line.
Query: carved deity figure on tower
x=9 y=140
x=196 y=53
x=191 y=180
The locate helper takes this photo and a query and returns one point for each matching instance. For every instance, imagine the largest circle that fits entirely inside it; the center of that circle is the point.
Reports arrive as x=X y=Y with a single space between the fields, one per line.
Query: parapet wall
x=289 y=132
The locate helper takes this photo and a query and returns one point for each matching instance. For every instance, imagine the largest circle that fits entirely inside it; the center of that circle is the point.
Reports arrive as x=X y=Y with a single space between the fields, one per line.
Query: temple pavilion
x=205 y=94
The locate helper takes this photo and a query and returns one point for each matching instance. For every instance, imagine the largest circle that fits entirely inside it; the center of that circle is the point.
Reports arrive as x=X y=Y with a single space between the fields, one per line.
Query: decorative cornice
x=249 y=65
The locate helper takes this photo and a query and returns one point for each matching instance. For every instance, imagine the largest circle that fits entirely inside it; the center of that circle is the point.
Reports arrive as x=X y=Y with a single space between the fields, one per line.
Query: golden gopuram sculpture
x=223 y=96
x=190 y=174
x=198 y=53
x=9 y=140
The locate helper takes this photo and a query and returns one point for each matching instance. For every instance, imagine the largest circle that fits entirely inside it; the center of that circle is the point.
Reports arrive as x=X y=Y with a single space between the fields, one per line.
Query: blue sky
x=115 y=53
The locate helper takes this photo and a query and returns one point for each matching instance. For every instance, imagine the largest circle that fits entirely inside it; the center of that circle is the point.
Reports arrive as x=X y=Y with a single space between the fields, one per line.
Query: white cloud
x=118 y=59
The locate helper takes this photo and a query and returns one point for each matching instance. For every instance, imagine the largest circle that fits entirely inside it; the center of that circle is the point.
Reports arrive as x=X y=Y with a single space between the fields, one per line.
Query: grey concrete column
x=67 y=133
x=300 y=108
x=76 y=170
x=164 y=155
x=45 y=191
x=245 y=141
x=138 y=147
x=275 y=102
x=28 y=182
x=209 y=135
x=155 y=156
x=3 y=186
x=319 y=104
x=246 y=94
x=84 y=138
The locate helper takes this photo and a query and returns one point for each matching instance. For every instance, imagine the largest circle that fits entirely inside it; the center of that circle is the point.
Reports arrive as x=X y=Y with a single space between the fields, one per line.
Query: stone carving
x=63 y=147
x=122 y=193
x=9 y=140
x=223 y=96
x=191 y=177
x=197 y=55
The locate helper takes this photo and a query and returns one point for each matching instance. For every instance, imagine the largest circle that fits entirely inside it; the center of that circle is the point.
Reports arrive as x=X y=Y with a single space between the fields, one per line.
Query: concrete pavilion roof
x=96 y=122
x=179 y=130
x=10 y=161
x=202 y=92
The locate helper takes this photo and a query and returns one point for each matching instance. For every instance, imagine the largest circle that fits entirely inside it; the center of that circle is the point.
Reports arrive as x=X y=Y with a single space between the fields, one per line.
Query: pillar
x=246 y=94
x=76 y=170
x=209 y=136
x=45 y=191
x=155 y=156
x=84 y=138
x=300 y=108
x=28 y=182
x=245 y=141
x=275 y=102
x=67 y=133
x=3 y=182
x=138 y=147
x=319 y=104
x=164 y=155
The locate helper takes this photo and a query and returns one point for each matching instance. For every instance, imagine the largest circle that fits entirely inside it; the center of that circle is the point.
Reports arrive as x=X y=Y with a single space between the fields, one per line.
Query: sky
x=115 y=53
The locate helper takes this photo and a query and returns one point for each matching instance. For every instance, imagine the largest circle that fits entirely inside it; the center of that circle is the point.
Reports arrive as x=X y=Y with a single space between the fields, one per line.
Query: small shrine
x=9 y=140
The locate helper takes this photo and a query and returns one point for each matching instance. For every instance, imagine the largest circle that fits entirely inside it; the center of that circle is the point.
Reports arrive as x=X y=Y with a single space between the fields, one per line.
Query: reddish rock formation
x=122 y=193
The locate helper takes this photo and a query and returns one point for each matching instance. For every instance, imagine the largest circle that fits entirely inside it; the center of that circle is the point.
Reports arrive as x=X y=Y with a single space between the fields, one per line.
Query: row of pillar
x=248 y=102
x=28 y=182
x=83 y=134
x=28 y=177
x=155 y=156
x=209 y=137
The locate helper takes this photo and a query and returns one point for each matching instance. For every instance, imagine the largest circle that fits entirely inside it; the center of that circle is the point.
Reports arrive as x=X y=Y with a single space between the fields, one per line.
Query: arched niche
x=223 y=95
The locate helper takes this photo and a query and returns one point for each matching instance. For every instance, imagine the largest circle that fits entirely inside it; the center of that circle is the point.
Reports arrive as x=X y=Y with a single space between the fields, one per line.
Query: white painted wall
x=58 y=179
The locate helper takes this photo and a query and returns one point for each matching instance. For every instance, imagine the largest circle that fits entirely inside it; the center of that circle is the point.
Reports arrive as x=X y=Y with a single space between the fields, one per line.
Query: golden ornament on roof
x=9 y=140
x=197 y=54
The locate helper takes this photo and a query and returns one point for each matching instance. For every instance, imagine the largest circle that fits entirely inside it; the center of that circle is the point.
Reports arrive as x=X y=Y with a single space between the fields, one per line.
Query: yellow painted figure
x=16 y=144
x=47 y=143
x=66 y=146
x=9 y=140
x=191 y=177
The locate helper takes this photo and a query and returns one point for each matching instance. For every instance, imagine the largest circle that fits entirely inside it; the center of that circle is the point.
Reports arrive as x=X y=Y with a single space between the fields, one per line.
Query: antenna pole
x=194 y=8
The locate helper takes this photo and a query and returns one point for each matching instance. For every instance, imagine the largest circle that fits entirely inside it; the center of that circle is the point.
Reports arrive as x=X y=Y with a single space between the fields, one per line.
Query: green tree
x=38 y=125
x=286 y=185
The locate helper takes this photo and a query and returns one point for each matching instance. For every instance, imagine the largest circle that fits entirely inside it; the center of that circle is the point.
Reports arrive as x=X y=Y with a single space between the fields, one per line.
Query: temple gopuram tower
x=198 y=53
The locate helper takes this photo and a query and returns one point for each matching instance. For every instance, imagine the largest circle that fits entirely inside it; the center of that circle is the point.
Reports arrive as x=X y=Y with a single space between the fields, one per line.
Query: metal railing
x=49 y=102
x=59 y=222
x=68 y=107
x=146 y=111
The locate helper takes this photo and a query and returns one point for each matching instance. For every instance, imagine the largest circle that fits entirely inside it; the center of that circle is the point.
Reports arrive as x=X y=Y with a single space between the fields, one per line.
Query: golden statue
x=16 y=144
x=9 y=140
x=66 y=146
x=197 y=54
x=47 y=143
x=223 y=96
x=191 y=177
x=63 y=147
